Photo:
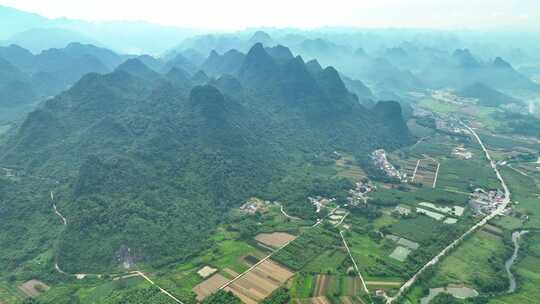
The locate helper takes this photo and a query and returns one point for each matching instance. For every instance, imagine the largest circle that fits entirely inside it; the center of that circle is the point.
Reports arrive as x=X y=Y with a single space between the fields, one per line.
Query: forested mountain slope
x=150 y=162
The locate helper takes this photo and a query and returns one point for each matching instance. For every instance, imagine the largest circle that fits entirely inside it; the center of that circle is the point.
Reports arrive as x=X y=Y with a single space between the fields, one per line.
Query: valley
x=275 y=166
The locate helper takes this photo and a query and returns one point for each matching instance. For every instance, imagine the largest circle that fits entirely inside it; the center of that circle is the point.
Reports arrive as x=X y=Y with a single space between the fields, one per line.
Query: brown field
x=347 y=168
x=275 y=239
x=353 y=286
x=33 y=288
x=321 y=284
x=209 y=286
x=408 y=166
x=425 y=173
x=260 y=282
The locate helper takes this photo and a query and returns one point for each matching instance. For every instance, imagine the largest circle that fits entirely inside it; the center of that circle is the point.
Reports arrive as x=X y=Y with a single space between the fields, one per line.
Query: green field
x=327 y=262
x=372 y=257
x=526 y=193
x=438 y=106
x=470 y=261
x=307 y=248
x=227 y=253
x=418 y=229
x=302 y=285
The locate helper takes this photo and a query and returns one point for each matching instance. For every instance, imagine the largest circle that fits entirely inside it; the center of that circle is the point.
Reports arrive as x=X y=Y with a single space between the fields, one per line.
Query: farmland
x=332 y=288
x=426 y=172
x=275 y=239
x=306 y=248
x=259 y=282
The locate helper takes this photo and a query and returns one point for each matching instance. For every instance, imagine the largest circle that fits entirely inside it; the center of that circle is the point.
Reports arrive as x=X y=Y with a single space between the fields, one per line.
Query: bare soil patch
x=206 y=271
x=275 y=239
x=321 y=284
x=260 y=282
x=33 y=288
x=209 y=286
x=230 y=272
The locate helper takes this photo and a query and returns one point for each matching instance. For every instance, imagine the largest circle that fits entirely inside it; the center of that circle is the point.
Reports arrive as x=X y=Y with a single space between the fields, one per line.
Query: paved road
x=161 y=289
x=354 y=263
x=274 y=252
x=456 y=242
x=286 y=215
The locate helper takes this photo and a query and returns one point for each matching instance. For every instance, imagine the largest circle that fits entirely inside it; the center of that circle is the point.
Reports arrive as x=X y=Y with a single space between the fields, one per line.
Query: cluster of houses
x=462 y=153
x=253 y=205
x=320 y=202
x=449 y=97
x=381 y=161
x=358 y=194
x=485 y=202
x=450 y=127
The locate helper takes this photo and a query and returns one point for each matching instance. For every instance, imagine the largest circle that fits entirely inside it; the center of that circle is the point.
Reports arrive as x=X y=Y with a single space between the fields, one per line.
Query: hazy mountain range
x=170 y=150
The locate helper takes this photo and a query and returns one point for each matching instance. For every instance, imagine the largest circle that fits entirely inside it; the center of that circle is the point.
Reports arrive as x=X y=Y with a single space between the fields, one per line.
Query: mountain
x=29 y=79
x=280 y=53
x=257 y=67
x=151 y=163
x=179 y=77
x=261 y=37
x=15 y=87
x=364 y=94
x=227 y=63
x=486 y=95
x=33 y=39
x=136 y=68
x=462 y=69
x=465 y=59
x=109 y=58
x=18 y=56
x=40 y=33
x=180 y=62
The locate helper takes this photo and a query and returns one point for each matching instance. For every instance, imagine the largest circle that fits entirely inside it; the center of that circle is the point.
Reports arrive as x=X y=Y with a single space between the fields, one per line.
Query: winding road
x=500 y=209
x=127 y=275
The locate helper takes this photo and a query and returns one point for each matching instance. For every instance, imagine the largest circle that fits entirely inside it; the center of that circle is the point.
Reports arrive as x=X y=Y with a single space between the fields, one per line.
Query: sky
x=241 y=14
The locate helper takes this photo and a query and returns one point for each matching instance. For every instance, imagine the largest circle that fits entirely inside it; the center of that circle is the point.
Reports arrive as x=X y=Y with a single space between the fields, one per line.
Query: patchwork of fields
x=260 y=282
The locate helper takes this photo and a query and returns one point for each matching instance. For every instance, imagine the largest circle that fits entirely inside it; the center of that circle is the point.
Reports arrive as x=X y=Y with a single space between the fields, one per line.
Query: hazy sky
x=238 y=14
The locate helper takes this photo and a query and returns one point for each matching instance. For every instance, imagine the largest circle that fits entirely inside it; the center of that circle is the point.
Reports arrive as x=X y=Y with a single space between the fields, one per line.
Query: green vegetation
x=307 y=247
x=330 y=261
x=302 y=285
x=142 y=296
x=222 y=297
x=438 y=106
x=478 y=263
x=420 y=228
x=147 y=166
x=279 y=296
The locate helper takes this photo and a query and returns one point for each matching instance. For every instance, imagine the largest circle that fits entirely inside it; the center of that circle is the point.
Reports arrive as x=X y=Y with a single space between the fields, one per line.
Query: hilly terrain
x=146 y=162
x=487 y=96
